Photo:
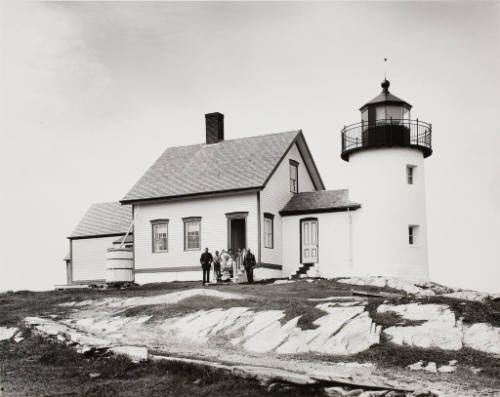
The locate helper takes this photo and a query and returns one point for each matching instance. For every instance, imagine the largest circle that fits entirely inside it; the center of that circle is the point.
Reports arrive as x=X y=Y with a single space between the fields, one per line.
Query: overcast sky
x=92 y=93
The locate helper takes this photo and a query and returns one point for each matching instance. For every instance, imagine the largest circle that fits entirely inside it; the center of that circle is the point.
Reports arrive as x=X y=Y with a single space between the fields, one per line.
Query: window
x=294 y=176
x=412 y=234
x=192 y=233
x=268 y=230
x=410 y=174
x=160 y=235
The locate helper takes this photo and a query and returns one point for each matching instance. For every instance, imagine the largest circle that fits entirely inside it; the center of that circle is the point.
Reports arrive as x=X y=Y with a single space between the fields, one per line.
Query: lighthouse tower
x=386 y=153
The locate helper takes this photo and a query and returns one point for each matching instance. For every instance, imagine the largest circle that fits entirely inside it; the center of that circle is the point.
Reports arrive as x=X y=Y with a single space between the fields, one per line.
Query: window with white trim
x=268 y=230
x=294 y=176
x=412 y=234
x=160 y=235
x=410 y=174
x=192 y=233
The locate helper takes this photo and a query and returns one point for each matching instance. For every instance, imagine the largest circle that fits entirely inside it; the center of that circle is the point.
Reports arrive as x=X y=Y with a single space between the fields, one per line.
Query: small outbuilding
x=103 y=226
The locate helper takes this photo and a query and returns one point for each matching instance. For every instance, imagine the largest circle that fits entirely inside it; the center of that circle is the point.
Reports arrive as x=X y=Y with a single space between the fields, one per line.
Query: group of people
x=224 y=264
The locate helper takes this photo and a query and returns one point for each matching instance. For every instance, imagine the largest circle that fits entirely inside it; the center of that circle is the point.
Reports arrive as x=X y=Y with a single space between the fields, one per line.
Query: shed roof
x=223 y=167
x=128 y=239
x=319 y=201
x=104 y=219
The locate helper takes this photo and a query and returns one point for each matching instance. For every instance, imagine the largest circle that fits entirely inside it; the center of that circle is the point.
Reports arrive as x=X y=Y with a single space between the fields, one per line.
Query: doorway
x=237 y=231
x=309 y=240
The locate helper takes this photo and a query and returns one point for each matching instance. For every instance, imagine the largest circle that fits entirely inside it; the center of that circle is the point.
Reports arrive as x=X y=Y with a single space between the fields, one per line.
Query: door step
x=302 y=272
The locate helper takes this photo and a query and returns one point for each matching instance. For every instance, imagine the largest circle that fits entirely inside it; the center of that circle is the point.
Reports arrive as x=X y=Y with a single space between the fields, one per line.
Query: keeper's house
x=265 y=193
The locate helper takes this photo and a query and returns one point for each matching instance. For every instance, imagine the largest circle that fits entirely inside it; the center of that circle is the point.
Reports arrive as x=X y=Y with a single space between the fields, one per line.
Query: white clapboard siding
x=214 y=233
x=168 y=277
x=274 y=197
x=89 y=258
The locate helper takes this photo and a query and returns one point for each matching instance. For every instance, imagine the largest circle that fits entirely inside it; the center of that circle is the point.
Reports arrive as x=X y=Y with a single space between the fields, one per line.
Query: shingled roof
x=103 y=219
x=227 y=166
x=319 y=201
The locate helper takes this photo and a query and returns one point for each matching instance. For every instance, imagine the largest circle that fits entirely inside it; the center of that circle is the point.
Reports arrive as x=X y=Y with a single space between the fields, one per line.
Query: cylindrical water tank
x=120 y=265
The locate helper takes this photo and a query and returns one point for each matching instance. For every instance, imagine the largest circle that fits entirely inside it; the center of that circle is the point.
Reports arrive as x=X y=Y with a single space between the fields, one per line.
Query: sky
x=93 y=92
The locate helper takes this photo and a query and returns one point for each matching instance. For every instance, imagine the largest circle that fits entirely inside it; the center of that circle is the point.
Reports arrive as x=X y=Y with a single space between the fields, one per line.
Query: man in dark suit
x=249 y=264
x=206 y=260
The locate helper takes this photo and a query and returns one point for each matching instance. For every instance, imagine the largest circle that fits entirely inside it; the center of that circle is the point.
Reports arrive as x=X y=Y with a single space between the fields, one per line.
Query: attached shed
x=102 y=225
x=317 y=233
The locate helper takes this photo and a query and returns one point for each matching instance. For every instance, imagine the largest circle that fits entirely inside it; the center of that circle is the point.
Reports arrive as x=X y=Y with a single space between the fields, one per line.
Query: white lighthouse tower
x=386 y=153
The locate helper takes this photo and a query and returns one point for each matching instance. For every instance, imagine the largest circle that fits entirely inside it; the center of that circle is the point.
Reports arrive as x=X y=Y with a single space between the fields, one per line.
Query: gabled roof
x=104 y=219
x=243 y=164
x=319 y=201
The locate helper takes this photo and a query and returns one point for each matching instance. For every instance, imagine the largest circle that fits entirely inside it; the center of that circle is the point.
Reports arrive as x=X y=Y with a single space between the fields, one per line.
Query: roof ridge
x=203 y=144
x=106 y=202
x=263 y=135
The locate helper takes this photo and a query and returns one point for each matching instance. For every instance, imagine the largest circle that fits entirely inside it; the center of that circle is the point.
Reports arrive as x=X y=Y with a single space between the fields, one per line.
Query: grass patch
x=38 y=367
x=187 y=306
x=289 y=305
x=389 y=319
x=15 y=306
x=470 y=311
x=290 y=298
x=388 y=354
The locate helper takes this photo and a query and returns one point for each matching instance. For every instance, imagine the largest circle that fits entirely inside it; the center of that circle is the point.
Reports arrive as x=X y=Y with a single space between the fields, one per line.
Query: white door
x=310 y=241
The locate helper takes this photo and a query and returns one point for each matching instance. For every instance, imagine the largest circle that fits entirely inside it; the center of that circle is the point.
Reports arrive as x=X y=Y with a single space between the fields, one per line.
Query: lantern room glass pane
x=394 y=112
x=406 y=114
x=364 y=115
x=380 y=112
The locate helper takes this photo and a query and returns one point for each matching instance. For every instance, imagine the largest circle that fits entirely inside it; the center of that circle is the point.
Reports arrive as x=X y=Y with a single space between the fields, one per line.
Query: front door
x=309 y=232
x=237 y=238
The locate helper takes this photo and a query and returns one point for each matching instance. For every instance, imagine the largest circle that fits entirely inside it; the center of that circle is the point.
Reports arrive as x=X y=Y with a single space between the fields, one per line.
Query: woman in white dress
x=226 y=264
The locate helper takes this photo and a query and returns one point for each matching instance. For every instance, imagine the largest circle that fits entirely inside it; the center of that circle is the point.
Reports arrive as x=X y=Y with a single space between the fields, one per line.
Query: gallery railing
x=387 y=132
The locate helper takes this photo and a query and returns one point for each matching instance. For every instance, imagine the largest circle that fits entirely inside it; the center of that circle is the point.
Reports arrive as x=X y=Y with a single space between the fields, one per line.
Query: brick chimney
x=215 y=127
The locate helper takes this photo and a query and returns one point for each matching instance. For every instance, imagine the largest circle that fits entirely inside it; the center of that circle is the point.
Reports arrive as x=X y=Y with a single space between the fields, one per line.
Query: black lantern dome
x=385 y=122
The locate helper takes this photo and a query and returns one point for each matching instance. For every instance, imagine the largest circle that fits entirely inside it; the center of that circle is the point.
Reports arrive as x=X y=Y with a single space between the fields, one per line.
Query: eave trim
x=97 y=236
x=192 y=195
x=320 y=210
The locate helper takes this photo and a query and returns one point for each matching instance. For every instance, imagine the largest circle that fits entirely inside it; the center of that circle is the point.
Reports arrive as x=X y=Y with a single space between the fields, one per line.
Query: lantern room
x=385 y=106
x=386 y=122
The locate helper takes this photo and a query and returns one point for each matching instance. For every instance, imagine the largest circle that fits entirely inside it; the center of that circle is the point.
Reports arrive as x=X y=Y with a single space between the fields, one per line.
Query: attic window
x=294 y=176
